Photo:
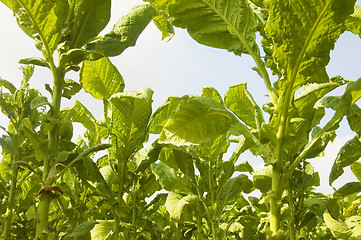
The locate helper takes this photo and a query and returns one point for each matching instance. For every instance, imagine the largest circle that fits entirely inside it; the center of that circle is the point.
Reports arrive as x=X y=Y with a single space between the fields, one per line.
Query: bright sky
x=180 y=66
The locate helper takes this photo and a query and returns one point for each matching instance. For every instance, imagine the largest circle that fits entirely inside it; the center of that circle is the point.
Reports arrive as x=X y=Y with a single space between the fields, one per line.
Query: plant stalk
x=11 y=204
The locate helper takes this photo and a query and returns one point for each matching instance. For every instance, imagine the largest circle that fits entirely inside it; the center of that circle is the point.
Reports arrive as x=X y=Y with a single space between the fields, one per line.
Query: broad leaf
x=356 y=170
x=212 y=93
x=91 y=16
x=233 y=188
x=177 y=158
x=130 y=116
x=350 y=229
x=102 y=229
x=101 y=78
x=162 y=115
x=168 y=178
x=347 y=189
x=349 y=153
x=178 y=205
x=263 y=179
x=41 y=19
x=126 y=31
x=198 y=120
x=226 y=24
x=241 y=102
x=303 y=33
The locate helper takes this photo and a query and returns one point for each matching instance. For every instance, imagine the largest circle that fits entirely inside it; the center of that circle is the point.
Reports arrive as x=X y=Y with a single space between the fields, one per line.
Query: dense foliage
x=184 y=186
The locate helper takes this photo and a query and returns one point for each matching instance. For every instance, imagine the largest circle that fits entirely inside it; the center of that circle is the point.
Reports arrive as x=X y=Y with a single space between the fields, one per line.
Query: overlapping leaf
x=177 y=205
x=303 y=33
x=130 y=116
x=40 y=18
x=101 y=78
x=353 y=22
x=198 y=120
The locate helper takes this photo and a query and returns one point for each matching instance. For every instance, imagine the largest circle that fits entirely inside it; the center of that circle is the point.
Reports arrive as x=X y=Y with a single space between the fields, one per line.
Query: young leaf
x=353 y=22
x=178 y=205
x=39 y=18
x=130 y=117
x=8 y=85
x=126 y=31
x=233 y=188
x=35 y=61
x=241 y=102
x=339 y=229
x=101 y=78
x=212 y=93
x=91 y=16
x=177 y=158
x=198 y=120
x=348 y=154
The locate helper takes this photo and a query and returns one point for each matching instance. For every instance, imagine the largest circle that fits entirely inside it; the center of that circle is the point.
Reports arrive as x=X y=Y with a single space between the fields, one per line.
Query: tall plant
x=66 y=32
x=297 y=38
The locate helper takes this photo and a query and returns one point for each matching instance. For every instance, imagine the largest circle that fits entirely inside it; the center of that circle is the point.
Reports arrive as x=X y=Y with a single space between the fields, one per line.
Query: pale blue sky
x=180 y=66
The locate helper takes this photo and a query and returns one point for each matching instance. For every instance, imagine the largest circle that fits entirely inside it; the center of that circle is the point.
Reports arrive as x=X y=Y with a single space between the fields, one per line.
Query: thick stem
x=11 y=204
x=42 y=229
x=121 y=174
x=274 y=199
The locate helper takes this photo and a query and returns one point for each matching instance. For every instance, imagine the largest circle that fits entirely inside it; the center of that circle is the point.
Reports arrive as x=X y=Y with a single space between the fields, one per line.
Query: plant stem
x=11 y=204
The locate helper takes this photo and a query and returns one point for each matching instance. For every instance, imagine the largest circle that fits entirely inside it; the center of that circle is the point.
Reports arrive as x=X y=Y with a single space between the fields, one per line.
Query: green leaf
x=263 y=179
x=198 y=120
x=241 y=102
x=41 y=19
x=244 y=167
x=353 y=22
x=8 y=85
x=348 y=154
x=162 y=23
x=35 y=61
x=212 y=93
x=226 y=24
x=162 y=115
x=234 y=187
x=130 y=117
x=177 y=158
x=38 y=102
x=339 y=229
x=348 y=230
x=126 y=31
x=91 y=16
x=178 y=205
x=348 y=188
x=101 y=78
x=70 y=88
x=354 y=119
x=165 y=175
x=79 y=113
x=102 y=229
x=82 y=229
x=303 y=34
x=356 y=169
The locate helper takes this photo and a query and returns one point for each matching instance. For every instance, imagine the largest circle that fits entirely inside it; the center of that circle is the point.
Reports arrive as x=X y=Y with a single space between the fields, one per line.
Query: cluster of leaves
x=190 y=183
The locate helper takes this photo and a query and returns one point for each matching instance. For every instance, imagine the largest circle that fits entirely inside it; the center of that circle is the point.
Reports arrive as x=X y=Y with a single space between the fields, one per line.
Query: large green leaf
x=239 y=100
x=130 y=116
x=303 y=33
x=41 y=18
x=353 y=22
x=233 y=188
x=82 y=229
x=101 y=78
x=91 y=16
x=126 y=31
x=168 y=178
x=177 y=205
x=177 y=158
x=348 y=154
x=226 y=24
x=348 y=230
x=347 y=189
x=198 y=120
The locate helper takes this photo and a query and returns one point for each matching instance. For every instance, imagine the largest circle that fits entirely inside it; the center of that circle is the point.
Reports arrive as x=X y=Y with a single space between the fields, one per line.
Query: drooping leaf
x=101 y=78
x=82 y=229
x=263 y=179
x=347 y=189
x=356 y=170
x=234 y=187
x=126 y=31
x=79 y=113
x=339 y=229
x=41 y=19
x=239 y=100
x=162 y=23
x=348 y=154
x=70 y=88
x=303 y=33
x=198 y=120
x=165 y=175
x=38 y=102
x=162 y=115
x=177 y=158
x=102 y=229
x=212 y=93
x=35 y=61
x=226 y=24
x=354 y=119
x=130 y=117
x=178 y=205
x=91 y=16
x=353 y=22
x=8 y=85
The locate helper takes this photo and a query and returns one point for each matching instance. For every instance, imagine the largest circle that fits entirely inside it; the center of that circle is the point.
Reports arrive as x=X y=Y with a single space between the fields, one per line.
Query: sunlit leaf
x=178 y=205
x=353 y=22
x=82 y=229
